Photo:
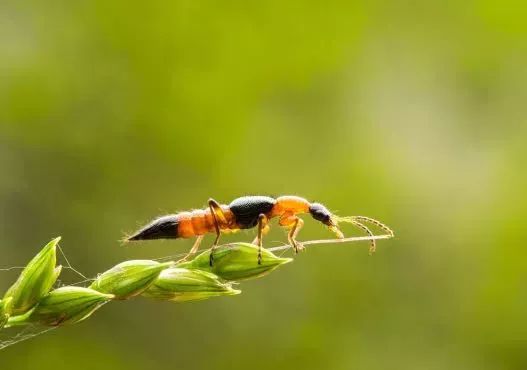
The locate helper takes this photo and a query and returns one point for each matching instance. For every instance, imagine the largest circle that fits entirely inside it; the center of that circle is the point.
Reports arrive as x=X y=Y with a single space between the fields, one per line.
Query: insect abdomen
x=247 y=209
x=198 y=222
x=165 y=227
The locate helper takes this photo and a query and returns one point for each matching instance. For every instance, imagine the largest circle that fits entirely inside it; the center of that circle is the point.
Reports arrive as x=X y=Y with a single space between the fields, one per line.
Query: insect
x=245 y=213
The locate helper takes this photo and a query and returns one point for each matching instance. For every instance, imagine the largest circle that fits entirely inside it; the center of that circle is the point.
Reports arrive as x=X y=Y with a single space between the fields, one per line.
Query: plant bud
x=129 y=278
x=66 y=305
x=5 y=308
x=238 y=261
x=179 y=285
x=36 y=280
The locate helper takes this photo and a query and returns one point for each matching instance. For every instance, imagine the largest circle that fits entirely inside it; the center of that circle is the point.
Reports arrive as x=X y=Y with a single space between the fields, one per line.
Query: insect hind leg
x=193 y=250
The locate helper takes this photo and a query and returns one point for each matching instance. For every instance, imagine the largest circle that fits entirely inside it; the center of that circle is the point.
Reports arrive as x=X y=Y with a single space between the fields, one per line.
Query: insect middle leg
x=263 y=228
x=217 y=215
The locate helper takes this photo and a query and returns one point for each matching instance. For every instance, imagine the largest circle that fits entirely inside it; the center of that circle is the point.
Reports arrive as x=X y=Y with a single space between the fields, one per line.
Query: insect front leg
x=294 y=223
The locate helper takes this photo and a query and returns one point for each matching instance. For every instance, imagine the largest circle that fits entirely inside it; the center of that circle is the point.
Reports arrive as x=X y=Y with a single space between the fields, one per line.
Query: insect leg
x=193 y=250
x=294 y=232
x=295 y=224
x=263 y=228
x=217 y=214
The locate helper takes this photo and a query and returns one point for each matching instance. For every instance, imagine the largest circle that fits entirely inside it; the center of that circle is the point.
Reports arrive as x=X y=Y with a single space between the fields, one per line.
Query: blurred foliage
x=414 y=113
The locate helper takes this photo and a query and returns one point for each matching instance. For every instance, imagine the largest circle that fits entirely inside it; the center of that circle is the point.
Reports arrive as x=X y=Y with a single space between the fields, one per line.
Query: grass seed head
x=66 y=305
x=180 y=284
x=129 y=278
x=35 y=281
x=5 y=308
x=237 y=261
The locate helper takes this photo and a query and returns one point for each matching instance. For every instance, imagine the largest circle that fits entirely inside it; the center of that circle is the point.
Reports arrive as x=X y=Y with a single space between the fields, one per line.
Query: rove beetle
x=245 y=213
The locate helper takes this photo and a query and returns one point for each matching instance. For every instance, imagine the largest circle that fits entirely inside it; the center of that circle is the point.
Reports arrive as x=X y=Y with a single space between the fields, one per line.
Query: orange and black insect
x=245 y=213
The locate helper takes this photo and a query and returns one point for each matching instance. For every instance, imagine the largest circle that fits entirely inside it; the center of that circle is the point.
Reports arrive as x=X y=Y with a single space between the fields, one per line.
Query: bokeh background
x=113 y=112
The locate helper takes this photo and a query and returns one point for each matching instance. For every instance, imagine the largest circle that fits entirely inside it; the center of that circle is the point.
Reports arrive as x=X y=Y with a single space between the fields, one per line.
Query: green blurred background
x=113 y=112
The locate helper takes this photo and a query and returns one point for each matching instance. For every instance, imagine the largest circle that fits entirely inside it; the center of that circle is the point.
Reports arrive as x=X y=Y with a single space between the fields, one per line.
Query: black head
x=320 y=213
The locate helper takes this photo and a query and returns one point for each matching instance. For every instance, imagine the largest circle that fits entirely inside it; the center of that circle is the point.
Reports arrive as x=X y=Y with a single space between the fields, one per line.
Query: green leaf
x=237 y=261
x=179 y=284
x=36 y=280
x=129 y=278
x=66 y=305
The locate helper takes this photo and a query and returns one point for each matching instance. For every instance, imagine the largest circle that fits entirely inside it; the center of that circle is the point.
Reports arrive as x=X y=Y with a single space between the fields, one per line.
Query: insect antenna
x=358 y=222
x=376 y=223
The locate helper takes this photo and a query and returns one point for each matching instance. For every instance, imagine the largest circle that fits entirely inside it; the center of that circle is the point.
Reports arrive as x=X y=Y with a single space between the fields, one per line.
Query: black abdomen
x=165 y=227
x=247 y=209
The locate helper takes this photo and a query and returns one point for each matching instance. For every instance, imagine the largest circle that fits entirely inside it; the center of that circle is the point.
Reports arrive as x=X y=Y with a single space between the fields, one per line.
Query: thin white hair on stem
x=175 y=256
x=83 y=281
x=68 y=264
x=12 y=268
x=26 y=333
